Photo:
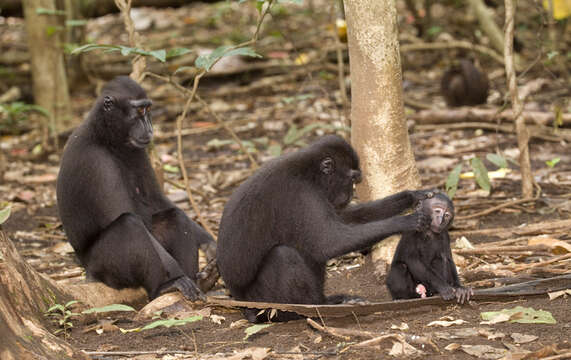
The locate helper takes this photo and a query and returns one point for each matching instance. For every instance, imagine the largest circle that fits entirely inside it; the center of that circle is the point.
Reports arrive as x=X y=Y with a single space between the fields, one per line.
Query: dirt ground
x=262 y=104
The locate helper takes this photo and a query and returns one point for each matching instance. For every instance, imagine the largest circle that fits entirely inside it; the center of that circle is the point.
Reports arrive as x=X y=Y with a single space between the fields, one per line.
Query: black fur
x=464 y=84
x=281 y=226
x=125 y=232
x=424 y=257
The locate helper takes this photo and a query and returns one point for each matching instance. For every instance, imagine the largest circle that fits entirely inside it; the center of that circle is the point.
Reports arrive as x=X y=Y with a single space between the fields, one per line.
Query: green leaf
x=109 y=308
x=184 y=68
x=552 y=54
x=523 y=315
x=290 y=99
x=69 y=303
x=551 y=163
x=50 y=30
x=294 y=134
x=58 y=307
x=177 y=52
x=44 y=11
x=72 y=23
x=275 y=150
x=291 y=135
x=166 y=323
x=170 y=168
x=452 y=181
x=171 y=322
x=217 y=143
x=254 y=329
x=481 y=174
x=434 y=30
x=160 y=55
x=259 y=6
x=125 y=51
x=207 y=61
x=497 y=160
x=91 y=47
x=5 y=210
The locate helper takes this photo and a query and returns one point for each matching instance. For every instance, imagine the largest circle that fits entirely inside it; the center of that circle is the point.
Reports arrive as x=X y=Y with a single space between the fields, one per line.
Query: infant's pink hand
x=421 y=290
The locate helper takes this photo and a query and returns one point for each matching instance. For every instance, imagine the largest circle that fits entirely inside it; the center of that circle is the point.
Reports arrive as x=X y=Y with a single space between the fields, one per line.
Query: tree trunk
x=517 y=106
x=23 y=296
x=379 y=132
x=48 y=71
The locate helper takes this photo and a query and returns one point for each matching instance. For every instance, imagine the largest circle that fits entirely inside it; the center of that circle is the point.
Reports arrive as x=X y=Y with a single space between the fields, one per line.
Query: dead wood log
x=502 y=250
x=468 y=114
x=23 y=295
x=532 y=288
x=538 y=228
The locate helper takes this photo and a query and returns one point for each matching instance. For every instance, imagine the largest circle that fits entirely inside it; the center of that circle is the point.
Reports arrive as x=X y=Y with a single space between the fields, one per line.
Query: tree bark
x=517 y=105
x=23 y=295
x=379 y=133
x=486 y=19
x=48 y=71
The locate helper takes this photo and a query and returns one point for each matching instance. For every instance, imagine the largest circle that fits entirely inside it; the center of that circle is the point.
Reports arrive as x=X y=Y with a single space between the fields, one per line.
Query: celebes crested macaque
x=423 y=265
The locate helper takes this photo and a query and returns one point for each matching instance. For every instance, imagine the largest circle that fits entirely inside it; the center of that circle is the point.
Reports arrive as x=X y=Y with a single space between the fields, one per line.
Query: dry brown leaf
x=519 y=338
x=404 y=349
x=452 y=346
x=483 y=351
x=496 y=319
x=447 y=323
x=256 y=353
x=557 y=246
x=402 y=327
x=554 y=295
x=490 y=334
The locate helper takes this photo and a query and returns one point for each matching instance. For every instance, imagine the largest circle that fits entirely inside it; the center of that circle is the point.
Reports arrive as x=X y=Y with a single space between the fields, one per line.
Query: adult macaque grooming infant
x=423 y=265
x=125 y=232
x=281 y=226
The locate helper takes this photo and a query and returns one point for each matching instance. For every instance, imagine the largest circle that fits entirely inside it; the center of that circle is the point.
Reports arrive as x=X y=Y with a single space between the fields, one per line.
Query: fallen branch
x=495 y=208
x=536 y=287
x=374 y=337
x=537 y=131
x=330 y=331
x=446 y=116
x=136 y=353
x=502 y=250
x=542 y=227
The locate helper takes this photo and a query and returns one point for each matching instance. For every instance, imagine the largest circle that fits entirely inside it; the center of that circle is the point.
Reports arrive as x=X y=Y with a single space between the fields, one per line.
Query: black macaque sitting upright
x=423 y=265
x=281 y=226
x=464 y=84
x=125 y=232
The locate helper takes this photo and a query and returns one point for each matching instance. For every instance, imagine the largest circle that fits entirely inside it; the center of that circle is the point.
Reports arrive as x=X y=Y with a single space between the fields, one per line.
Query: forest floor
x=277 y=104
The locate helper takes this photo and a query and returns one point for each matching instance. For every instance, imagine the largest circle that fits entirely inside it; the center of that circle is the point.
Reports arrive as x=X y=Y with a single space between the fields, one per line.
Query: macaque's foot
x=421 y=290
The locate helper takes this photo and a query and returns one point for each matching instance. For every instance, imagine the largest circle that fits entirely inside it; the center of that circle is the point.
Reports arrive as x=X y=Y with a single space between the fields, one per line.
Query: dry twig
x=521 y=129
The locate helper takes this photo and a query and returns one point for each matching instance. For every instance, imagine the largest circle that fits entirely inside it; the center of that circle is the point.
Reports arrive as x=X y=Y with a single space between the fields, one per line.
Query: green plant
x=108 y=308
x=295 y=136
x=551 y=163
x=5 y=209
x=12 y=115
x=479 y=173
x=166 y=323
x=61 y=316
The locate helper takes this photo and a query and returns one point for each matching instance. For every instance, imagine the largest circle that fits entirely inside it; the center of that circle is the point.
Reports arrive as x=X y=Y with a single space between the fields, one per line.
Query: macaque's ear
x=108 y=103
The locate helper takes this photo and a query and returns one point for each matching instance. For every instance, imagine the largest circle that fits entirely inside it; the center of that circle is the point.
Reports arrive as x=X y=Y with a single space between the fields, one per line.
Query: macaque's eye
x=143 y=110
